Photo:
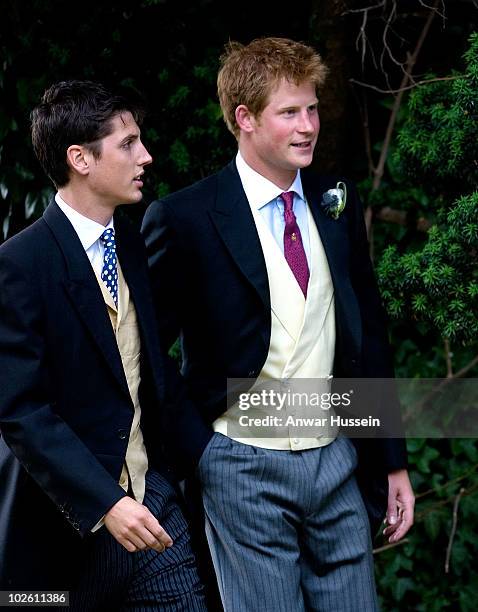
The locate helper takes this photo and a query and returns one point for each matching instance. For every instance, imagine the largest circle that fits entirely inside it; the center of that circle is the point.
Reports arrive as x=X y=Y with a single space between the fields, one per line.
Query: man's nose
x=145 y=157
x=305 y=122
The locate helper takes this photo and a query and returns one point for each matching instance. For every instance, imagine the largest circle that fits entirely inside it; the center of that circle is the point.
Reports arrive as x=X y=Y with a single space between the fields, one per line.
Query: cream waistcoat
x=302 y=346
x=125 y=327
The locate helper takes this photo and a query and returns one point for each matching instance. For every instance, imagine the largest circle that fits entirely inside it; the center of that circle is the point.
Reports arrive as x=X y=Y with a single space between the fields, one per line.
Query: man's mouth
x=302 y=145
x=138 y=179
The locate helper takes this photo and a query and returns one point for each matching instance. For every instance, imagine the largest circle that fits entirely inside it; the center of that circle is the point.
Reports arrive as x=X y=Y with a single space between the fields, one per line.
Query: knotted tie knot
x=288 y=198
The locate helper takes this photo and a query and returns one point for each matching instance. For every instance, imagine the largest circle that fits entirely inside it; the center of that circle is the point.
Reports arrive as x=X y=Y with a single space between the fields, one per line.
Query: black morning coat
x=65 y=408
x=204 y=248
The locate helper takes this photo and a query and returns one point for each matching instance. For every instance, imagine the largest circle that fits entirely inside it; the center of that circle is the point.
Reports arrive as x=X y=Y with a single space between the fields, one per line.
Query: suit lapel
x=336 y=241
x=233 y=220
x=332 y=232
x=84 y=291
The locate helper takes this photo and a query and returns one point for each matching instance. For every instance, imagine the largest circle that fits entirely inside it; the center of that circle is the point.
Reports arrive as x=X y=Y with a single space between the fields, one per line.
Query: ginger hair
x=249 y=73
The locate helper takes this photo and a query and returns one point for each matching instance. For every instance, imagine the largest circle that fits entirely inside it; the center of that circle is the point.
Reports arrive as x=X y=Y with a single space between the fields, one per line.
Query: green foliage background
x=169 y=52
x=429 y=281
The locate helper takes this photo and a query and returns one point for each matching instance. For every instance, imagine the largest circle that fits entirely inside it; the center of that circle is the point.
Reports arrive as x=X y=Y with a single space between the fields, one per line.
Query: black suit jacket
x=65 y=408
x=204 y=248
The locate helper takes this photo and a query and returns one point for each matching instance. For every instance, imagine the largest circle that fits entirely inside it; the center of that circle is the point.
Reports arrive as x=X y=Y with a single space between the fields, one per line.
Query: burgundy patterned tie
x=293 y=247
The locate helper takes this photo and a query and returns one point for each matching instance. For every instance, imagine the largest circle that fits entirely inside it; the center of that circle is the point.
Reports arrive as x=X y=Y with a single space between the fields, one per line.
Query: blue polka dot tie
x=109 y=274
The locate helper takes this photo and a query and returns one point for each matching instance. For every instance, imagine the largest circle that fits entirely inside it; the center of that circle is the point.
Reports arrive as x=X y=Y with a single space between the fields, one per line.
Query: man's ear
x=78 y=159
x=245 y=119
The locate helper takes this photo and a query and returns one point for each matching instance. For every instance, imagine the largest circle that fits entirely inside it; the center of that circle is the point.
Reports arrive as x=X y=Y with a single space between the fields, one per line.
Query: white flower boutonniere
x=333 y=200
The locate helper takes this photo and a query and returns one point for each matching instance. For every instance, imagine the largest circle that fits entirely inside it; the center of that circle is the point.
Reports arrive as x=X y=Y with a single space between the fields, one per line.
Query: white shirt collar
x=259 y=190
x=88 y=230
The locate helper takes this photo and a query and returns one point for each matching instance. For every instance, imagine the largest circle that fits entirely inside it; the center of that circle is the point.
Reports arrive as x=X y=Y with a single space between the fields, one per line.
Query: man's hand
x=135 y=528
x=401 y=502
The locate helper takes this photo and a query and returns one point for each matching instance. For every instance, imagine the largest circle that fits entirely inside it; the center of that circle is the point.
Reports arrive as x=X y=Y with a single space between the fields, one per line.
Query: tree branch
x=453 y=529
x=466 y=369
x=400 y=217
x=449 y=367
x=420 y=515
x=406 y=88
x=380 y=549
x=448 y=483
x=418 y=407
x=380 y=167
x=365 y=9
x=435 y=8
x=398 y=100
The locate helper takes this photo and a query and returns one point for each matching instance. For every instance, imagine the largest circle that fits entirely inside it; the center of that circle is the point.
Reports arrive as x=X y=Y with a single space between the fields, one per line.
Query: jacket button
x=122 y=434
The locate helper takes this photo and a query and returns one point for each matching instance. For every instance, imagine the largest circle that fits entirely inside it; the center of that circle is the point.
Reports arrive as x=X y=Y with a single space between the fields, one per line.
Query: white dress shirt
x=263 y=195
x=89 y=233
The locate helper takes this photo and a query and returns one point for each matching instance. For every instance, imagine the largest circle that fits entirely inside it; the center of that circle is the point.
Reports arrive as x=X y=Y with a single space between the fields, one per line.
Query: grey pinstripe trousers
x=288 y=531
x=116 y=580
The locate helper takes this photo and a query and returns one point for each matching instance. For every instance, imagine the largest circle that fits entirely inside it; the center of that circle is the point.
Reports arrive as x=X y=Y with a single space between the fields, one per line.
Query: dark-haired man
x=83 y=503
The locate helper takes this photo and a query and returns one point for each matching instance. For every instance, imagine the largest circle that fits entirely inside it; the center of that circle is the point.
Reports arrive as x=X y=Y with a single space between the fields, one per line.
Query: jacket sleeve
x=187 y=434
x=49 y=450
x=377 y=360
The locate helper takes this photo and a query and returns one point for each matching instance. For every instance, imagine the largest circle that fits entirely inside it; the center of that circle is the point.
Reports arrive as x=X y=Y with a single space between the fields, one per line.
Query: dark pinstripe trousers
x=115 y=579
x=288 y=531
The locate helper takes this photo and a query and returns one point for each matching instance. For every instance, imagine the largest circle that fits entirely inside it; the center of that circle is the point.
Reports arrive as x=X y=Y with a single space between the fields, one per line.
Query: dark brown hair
x=75 y=112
